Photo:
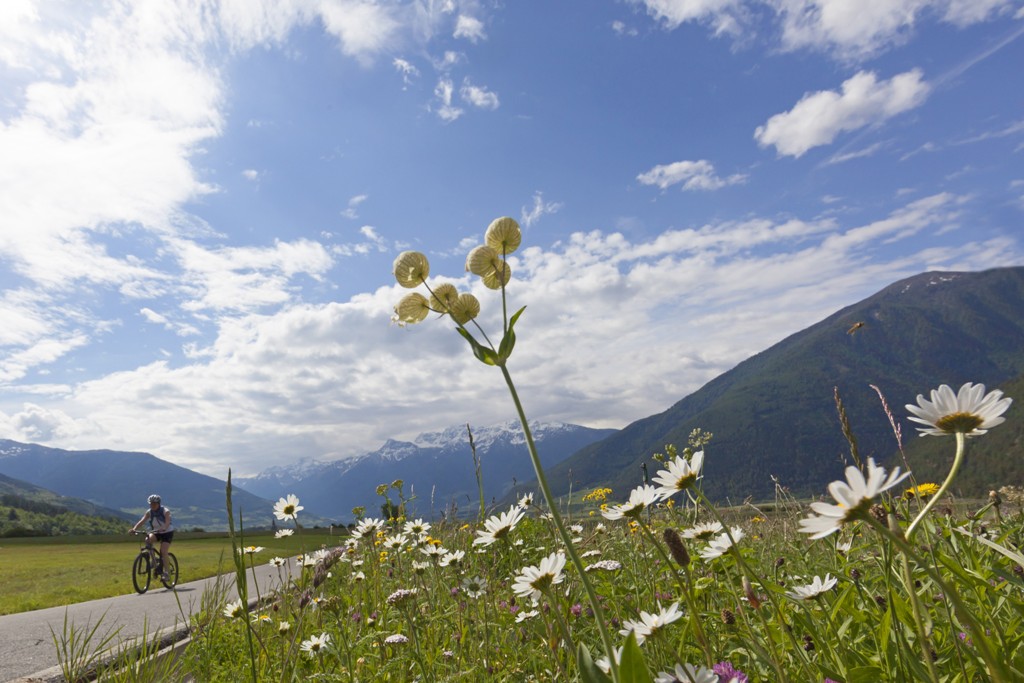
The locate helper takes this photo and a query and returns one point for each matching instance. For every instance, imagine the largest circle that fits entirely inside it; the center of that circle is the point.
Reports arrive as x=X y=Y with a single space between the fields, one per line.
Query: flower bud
x=676 y=547
x=466 y=308
x=411 y=268
x=481 y=260
x=444 y=297
x=503 y=235
x=499 y=276
x=413 y=308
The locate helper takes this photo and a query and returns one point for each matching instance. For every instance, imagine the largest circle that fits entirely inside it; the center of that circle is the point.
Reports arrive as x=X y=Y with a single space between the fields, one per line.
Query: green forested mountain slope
x=27 y=510
x=774 y=415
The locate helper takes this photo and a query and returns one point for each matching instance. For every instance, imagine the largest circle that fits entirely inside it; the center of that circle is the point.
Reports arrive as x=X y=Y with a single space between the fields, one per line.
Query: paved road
x=26 y=643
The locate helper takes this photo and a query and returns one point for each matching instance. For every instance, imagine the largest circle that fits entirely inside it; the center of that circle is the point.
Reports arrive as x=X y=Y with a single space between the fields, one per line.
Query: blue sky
x=200 y=202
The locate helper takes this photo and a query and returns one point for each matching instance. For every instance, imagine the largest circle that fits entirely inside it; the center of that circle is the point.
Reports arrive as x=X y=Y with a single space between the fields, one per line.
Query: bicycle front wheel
x=141 y=573
x=171 y=571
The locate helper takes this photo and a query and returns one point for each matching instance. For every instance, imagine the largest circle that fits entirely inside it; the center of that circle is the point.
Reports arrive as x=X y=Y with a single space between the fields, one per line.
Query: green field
x=51 y=571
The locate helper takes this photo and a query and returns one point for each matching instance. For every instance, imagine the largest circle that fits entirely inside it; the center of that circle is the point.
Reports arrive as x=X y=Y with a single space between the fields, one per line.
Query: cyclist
x=159 y=519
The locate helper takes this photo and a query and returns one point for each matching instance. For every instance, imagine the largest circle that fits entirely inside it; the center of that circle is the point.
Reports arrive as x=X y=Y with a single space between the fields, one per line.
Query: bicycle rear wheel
x=141 y=573
x=171 y=569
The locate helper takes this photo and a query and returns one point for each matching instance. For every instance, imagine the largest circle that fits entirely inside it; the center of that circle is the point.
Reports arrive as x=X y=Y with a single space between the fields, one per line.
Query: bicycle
x=147 y=565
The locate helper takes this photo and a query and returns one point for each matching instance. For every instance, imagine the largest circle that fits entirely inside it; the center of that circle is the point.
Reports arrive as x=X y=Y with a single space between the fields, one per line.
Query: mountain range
x=774 y=417
x=122 y=481
x=437 y=469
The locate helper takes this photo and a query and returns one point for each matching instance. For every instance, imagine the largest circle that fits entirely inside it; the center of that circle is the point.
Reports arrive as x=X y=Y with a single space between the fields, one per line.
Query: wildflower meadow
x=882 y=579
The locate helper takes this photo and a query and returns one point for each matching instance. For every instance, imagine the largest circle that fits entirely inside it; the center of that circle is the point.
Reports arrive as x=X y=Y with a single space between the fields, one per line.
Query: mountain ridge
x=774 y=416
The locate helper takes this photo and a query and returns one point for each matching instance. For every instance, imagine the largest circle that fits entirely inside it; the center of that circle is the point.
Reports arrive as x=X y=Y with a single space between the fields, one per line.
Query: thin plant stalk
x=577 y=562
x=958 y=460
x=698 y=629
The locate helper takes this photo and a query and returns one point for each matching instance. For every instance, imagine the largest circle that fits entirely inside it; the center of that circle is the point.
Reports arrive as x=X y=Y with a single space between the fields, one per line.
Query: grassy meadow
x=51 y=571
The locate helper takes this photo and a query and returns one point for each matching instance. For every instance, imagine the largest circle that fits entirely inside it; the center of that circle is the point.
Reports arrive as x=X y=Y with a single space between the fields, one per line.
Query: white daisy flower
x=282 y=533
x=526 y=501
x=368 y=527
x=720 y=544
x=853 y=498
x=533 y=581
x=814 y=589
x=687 y=673
x=640 y=498
x=703 y=531
x=499 y=526
x=680 y=475
x=452 y=558
x=315 y=645
x=523 y=616
x=970 y=411
x=234 y=610
x=474 y=587
x=395 y=542
x=650 y=624
x=287 y=507
x=604 y=665
x=417 y=527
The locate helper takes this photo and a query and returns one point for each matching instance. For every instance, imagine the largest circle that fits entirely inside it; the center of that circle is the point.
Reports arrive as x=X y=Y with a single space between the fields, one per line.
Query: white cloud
x=479 y=97
x=622 y=29
x=469 y=28
x=407 y=69
x=819 y=117
x=868 y=151
x=443 y=94
x=271 y=386
x=353 y=205
x=845 y=29
x=251 y=174
x=694 y=175
x=530 y=215
x=364 y=28
x=721 y=14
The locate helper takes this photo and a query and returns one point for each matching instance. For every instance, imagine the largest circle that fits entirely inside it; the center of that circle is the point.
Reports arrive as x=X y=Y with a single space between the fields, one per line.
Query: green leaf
x=509 y=340
x=633 y=669
x=864 y=674
x=589 y=671
x=482 y=353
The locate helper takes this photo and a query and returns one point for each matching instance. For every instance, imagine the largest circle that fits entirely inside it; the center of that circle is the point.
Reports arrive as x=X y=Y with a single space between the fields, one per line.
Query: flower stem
x=958 y=460
x=552 y=504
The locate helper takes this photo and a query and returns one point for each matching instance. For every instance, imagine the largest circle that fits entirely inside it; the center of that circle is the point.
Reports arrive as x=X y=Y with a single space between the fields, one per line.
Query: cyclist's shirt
x=157 y=518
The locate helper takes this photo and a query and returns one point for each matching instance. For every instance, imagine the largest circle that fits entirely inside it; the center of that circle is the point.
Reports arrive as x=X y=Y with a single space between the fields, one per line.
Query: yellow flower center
x=959 y=422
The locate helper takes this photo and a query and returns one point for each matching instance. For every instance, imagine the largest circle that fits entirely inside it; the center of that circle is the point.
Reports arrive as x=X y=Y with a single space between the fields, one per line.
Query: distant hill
x=122 y=480
x=437 y=468
x=27 y=510
x=774 y=414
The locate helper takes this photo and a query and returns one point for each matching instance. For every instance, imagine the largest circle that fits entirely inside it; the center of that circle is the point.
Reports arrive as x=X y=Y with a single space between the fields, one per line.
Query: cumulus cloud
x=479 y=97
x=693 y=175
x=845 y=29
x=821 y=116
x=364 y=29
x=470 y=28
x=720 y=14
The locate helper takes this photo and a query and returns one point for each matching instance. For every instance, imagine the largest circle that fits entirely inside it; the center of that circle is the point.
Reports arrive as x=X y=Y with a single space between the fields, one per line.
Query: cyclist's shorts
x=164 y=536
